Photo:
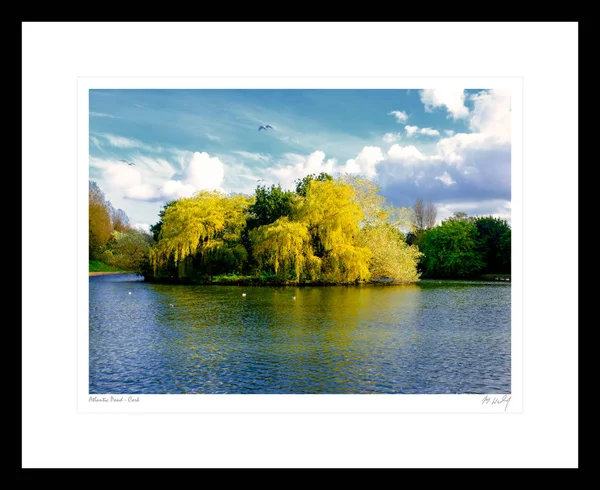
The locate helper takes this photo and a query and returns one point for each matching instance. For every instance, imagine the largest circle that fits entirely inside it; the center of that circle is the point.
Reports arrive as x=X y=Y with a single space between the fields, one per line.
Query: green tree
x=270 y=204
x=129 y=250
x=155 y=228
x=452 y=250
x=460 y=216
x=303 y=183
x=494 y=243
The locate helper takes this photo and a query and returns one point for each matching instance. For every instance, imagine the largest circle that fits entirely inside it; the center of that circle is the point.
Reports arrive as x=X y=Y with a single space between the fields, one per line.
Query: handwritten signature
x=496 y=400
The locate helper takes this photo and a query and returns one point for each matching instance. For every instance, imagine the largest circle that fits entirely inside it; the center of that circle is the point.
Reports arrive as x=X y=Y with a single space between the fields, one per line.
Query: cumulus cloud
x=450 y=98
x=430 y=132
x=391 y=137
x=155 y=180
x=401 y=116
x=406 y=155
x=205 y=172
x=202 y=172
x=463 y=168
x=365 y=162
x=492 y=114
x=411 y=130
x=294 y=166
x=448 y=132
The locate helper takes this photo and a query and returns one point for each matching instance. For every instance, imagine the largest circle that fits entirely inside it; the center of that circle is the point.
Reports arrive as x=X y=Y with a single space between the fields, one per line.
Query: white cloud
x=121 y=176
x=448 y=132
x=142 y=192
x=365 y=162
x=258 y=157
x=289 y=139
x=297 y=166
x=454 y=148
x=123 y=142
x=446 y=179
x=96 y=142
x=144 y=227
x=411 y=130
x=161 y=168
x=176 y=189
x=497 y=208
x=492 y=114
x=405 y=155
x=430 y=132
x=205 y=172
x=102 y=114
x=391 y=137
x=452 y=99
x=152 y=180
x=401 y=116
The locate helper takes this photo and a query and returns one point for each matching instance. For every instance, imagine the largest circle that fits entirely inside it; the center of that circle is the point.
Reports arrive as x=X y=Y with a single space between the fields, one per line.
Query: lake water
x=431 y=337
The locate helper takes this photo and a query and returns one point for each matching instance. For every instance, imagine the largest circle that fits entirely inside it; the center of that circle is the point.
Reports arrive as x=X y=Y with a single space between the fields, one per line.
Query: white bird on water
x=129 y=292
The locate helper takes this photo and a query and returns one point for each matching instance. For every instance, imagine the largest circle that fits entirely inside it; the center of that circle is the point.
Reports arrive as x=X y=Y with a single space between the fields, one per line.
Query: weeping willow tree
x=339 y=231
x=332 y=217
x=382 y=231
x=392 y=257
x=208 y=225
x=286 y=247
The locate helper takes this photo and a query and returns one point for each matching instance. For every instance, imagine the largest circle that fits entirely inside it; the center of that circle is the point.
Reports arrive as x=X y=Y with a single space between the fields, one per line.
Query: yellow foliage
x=205 y=221
x=285 y=245
x=377 y=210
x=330 y=212
x=392 y=257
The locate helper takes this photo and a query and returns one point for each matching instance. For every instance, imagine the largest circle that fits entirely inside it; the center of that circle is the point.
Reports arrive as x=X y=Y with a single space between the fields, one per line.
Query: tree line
x=112 y=239
x=325 y=231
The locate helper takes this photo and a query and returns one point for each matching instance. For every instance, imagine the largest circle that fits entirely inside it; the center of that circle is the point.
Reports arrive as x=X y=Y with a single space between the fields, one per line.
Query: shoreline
x=103 y=273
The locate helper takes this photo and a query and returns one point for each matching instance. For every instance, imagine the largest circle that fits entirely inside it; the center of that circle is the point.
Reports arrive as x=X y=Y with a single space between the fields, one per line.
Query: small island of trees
x=326 y=231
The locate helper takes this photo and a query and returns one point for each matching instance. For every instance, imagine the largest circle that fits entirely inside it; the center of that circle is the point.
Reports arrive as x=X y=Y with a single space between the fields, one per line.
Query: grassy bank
x=100 y=267
x=263 y=279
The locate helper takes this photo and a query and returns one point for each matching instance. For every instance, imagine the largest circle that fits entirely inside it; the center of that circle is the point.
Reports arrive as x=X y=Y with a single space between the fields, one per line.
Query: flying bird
x=128 y=163
x=265 y=127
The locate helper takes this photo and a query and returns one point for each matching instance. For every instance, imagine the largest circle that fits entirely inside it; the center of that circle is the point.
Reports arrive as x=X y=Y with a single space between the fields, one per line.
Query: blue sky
x=449 y=146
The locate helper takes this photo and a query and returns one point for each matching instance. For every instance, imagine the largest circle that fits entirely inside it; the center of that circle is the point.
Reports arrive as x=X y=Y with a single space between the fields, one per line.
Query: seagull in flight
x=265 y=127
x=131 y=164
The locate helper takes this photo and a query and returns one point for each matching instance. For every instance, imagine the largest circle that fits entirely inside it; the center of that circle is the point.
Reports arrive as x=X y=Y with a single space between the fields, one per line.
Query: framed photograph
x=301 y=245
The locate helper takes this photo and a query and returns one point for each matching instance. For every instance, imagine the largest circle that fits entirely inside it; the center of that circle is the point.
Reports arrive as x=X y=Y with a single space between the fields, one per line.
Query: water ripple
x=449 y=337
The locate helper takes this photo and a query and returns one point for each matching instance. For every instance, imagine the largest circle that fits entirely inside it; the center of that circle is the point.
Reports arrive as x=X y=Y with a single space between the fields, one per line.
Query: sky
x=448 y=146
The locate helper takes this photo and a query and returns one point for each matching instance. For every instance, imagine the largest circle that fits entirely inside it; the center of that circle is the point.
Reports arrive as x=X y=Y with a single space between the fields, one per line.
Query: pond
x=431 y=337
